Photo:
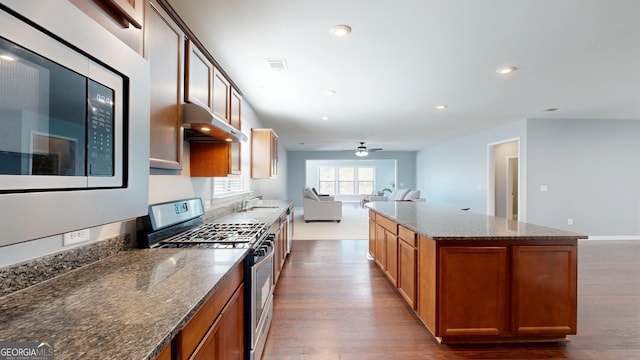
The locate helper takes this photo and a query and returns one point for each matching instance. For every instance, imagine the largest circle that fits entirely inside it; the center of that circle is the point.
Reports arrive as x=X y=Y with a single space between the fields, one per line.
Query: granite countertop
x=445 y=222
x=127 y=306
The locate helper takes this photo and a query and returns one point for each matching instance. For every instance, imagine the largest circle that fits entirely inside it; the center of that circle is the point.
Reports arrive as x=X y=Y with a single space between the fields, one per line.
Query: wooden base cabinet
x=468 y=291
x=472 y=291
x=490 y=293
x=216 y=331
x=544 y=289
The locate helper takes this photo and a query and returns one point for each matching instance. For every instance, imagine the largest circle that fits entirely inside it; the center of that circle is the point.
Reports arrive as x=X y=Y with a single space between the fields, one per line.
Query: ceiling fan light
x=362 y=153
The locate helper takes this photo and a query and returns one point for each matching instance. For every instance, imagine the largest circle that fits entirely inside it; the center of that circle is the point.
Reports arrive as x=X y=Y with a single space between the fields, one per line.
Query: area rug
x=354 y=225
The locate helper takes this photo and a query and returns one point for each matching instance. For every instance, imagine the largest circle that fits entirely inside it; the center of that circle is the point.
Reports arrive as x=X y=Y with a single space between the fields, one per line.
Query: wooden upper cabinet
x=264 y=153
x=164 y=48
x=221 y=95
x=129 y=11
x=199 y=78
x=210 y=159
x=235 y=110
x=236 y=121
x=122 y=18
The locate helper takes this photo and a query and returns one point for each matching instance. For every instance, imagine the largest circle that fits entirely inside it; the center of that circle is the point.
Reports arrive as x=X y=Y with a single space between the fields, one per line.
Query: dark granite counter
x=444 y=222
x=127 y=306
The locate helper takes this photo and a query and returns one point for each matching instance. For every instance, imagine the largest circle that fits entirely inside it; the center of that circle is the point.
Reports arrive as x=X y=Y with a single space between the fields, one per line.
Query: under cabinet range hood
x=201 y=125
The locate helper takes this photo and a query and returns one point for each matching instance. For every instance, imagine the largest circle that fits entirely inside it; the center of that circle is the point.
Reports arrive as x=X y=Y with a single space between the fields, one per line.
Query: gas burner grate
x=221 y=233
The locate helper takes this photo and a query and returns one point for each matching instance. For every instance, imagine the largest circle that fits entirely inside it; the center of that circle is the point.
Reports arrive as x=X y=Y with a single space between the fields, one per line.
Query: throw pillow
x=400 y=194
x=412 y=195
x=308 y=193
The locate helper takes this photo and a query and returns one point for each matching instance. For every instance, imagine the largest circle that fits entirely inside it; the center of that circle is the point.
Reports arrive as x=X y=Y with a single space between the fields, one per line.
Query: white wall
x=592 y=171
x=456 y=172
x=590 y=167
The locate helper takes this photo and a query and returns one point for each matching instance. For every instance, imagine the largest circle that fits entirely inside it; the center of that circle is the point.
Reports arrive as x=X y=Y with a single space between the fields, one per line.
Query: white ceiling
x=404 y=57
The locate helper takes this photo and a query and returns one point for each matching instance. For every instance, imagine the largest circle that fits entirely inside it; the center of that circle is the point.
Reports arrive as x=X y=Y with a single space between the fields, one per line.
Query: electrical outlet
x=75 y=237
x=569 y=221
x=207 y=204
x=544 y=188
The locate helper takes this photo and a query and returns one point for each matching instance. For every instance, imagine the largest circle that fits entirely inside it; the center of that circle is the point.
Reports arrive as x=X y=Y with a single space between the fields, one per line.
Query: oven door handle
x=266 y=257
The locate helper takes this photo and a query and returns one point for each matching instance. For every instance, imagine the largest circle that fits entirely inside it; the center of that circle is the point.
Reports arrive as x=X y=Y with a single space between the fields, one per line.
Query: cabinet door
x=264 y=153
x=236 y=122
x=407 y=261
x=199 y=78
x=165 y=52
x=544 y=289
x=236 y=109
x=210 y=159
x=427 y=282
x=472 y=291
x=381 y=247
x=221 y=93
x=391 y=268
x=225 y=338
x=372 y=238
x=232 y=326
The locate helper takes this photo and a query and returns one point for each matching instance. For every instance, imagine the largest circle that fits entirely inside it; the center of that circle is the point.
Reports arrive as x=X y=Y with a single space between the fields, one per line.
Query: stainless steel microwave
x=61 y=117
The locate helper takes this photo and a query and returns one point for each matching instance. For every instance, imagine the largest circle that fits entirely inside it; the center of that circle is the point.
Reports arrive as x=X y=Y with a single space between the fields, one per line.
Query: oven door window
x=263 y=286
x=57 y=124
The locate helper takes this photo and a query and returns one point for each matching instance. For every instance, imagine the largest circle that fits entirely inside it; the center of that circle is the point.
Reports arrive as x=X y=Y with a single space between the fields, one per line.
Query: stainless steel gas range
x=179 y=224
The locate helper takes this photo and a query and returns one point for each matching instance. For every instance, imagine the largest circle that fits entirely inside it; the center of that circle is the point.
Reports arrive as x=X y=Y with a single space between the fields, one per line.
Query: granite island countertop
x=127 y=306
x=446 y=222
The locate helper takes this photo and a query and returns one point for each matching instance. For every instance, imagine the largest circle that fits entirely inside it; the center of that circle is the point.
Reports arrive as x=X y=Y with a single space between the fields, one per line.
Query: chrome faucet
x=246 y=202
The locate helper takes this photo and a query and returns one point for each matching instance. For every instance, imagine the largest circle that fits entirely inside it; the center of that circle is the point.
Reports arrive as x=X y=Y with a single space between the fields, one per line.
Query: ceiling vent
x=277 y=64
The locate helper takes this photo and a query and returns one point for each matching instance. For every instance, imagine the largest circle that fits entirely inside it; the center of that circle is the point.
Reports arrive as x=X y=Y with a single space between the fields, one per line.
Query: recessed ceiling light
x=340 y=30
x=329 y=92
x=441 y=107
x=325 y=118
x=506 y=70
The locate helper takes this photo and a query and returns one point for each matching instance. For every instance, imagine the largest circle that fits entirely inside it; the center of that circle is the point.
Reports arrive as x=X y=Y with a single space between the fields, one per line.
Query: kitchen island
x=475 y=278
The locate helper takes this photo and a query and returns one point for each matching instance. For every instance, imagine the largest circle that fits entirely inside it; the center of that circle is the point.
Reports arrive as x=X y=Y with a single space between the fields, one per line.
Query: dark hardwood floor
x=332 y=303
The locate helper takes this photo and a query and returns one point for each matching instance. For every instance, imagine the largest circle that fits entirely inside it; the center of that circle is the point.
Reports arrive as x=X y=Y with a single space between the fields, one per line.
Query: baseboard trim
x=627 y=237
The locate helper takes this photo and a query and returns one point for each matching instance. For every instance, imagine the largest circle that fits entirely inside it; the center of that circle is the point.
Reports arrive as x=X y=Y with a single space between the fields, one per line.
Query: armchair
x=320 y=208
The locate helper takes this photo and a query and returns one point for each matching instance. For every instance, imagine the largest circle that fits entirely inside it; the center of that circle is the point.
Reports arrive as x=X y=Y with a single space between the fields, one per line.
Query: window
x=234 y=184
x=327 y=180
x=346 y=180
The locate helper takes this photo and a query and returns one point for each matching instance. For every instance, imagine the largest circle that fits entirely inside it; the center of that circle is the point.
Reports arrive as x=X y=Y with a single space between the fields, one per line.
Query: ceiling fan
x=362 y=150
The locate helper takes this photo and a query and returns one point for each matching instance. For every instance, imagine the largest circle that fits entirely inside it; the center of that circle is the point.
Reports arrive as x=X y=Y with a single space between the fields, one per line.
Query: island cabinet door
x=391 y=268
x=372 y=238
x=544 y=290
x=472 y=291
x=381 y=248
x=407 y=260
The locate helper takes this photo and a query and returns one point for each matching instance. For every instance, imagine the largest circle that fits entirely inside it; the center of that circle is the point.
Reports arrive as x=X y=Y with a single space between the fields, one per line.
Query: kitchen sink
x=262 y=209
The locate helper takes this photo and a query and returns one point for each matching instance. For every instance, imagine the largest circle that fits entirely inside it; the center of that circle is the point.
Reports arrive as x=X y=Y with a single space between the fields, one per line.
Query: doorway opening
x=503 y=189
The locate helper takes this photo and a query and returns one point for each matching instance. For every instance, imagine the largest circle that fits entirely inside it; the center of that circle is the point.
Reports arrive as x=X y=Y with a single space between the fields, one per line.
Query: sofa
x=397 y=195
x=320 y=208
